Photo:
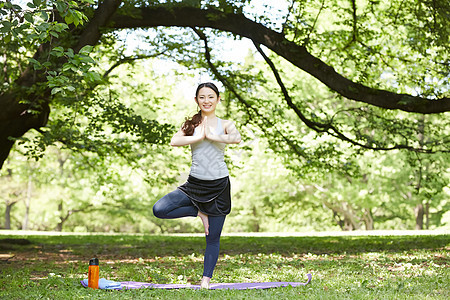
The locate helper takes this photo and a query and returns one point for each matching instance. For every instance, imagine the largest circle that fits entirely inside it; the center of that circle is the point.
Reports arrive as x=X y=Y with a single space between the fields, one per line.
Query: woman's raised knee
x=159 y=211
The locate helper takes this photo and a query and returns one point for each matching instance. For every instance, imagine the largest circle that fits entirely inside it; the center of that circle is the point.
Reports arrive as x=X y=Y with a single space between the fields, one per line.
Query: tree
x=105 y=190
x=346 y=45
x=17 y=184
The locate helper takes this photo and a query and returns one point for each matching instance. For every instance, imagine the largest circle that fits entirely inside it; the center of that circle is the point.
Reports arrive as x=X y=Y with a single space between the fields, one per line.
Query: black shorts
x=211 y=197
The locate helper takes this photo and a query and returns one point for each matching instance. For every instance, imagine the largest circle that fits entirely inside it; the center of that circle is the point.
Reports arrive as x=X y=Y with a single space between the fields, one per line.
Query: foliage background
x=116 y=193
x=103 y=159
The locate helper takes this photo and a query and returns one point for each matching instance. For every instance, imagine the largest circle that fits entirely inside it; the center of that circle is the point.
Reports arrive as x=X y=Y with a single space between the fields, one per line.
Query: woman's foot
x=205 y=221
x=205 y=282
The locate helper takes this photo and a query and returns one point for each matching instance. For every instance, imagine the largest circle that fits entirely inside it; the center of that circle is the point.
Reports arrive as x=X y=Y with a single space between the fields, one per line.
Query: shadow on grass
x=336 y=245
x=133 y=246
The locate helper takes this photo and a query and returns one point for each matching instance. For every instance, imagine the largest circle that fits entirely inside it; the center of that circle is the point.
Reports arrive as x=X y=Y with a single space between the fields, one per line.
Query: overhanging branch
x=164 y=15
x=319 y=127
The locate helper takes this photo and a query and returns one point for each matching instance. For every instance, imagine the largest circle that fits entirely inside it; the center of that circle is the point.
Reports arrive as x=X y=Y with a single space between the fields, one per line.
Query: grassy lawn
x=343 y=267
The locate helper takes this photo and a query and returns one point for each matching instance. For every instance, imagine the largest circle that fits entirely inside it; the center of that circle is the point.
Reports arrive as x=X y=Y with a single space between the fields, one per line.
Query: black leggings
x=177 y=205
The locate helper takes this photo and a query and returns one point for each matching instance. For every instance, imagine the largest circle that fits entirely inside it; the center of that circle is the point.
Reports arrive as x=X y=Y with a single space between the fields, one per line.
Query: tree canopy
x=388 y=54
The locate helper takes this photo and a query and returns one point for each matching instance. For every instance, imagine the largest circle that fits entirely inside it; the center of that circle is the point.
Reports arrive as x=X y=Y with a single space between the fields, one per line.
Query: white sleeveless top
x=208 y=157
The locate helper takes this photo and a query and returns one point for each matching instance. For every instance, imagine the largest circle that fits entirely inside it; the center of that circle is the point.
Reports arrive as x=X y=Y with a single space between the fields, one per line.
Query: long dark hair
x=189 y=125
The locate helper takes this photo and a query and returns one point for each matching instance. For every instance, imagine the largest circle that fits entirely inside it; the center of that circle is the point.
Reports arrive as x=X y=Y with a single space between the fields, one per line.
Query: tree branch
x=91 y=34
x=163 y=15
x=311 y=124
x=129 y=59
x=354 y=22
x=328 y=127
x=315 y=22
x=283 y=26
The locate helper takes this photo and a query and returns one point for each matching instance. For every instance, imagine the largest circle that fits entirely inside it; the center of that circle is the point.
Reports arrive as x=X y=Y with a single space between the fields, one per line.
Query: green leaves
x=61 y=6
x=24 y=28
x=29 y=17
x=86 y=50
x=36 y=65
x=77 y=65
x=69 y=10
x=74 y=16
x=5 y=26
x=57 y=51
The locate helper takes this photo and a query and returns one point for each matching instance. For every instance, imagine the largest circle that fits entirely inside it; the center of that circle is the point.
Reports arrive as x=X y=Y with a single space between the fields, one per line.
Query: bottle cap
x=93 y=262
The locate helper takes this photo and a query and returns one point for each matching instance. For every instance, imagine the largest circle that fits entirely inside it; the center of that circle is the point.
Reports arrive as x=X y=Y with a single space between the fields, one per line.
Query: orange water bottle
x=94 y=272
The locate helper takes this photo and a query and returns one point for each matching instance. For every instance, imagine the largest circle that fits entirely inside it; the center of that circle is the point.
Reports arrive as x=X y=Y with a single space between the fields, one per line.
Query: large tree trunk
x=15 y=121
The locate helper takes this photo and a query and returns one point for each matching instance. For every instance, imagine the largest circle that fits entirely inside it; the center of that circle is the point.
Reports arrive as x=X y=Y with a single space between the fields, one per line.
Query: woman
x=206 y=193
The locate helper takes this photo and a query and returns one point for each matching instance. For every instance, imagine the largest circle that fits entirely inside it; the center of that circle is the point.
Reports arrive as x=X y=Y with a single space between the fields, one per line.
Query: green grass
x=346 y=267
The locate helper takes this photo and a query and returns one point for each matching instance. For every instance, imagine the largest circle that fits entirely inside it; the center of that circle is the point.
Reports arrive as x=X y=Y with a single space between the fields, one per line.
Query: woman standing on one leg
x=206 y=193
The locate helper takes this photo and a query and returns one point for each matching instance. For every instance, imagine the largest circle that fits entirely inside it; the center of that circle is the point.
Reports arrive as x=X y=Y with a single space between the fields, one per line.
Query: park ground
x=374 y=265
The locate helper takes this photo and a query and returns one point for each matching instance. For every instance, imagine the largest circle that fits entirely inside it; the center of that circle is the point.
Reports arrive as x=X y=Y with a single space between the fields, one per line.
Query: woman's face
x=207 y=99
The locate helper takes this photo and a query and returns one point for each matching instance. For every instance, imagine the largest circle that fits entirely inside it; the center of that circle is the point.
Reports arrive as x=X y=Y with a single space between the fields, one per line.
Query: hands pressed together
x=204 y=132
x=231 y=136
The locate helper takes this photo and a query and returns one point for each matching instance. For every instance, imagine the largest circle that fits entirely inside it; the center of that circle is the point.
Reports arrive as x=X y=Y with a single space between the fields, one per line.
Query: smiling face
x=207 y=100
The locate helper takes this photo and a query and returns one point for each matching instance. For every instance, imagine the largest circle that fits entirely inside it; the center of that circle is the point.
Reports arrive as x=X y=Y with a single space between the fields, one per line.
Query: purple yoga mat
x=214 y=286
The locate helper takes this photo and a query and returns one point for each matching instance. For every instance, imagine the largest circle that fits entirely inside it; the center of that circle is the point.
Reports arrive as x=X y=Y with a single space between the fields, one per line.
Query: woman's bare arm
x=231 y=136
x=180 y=139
